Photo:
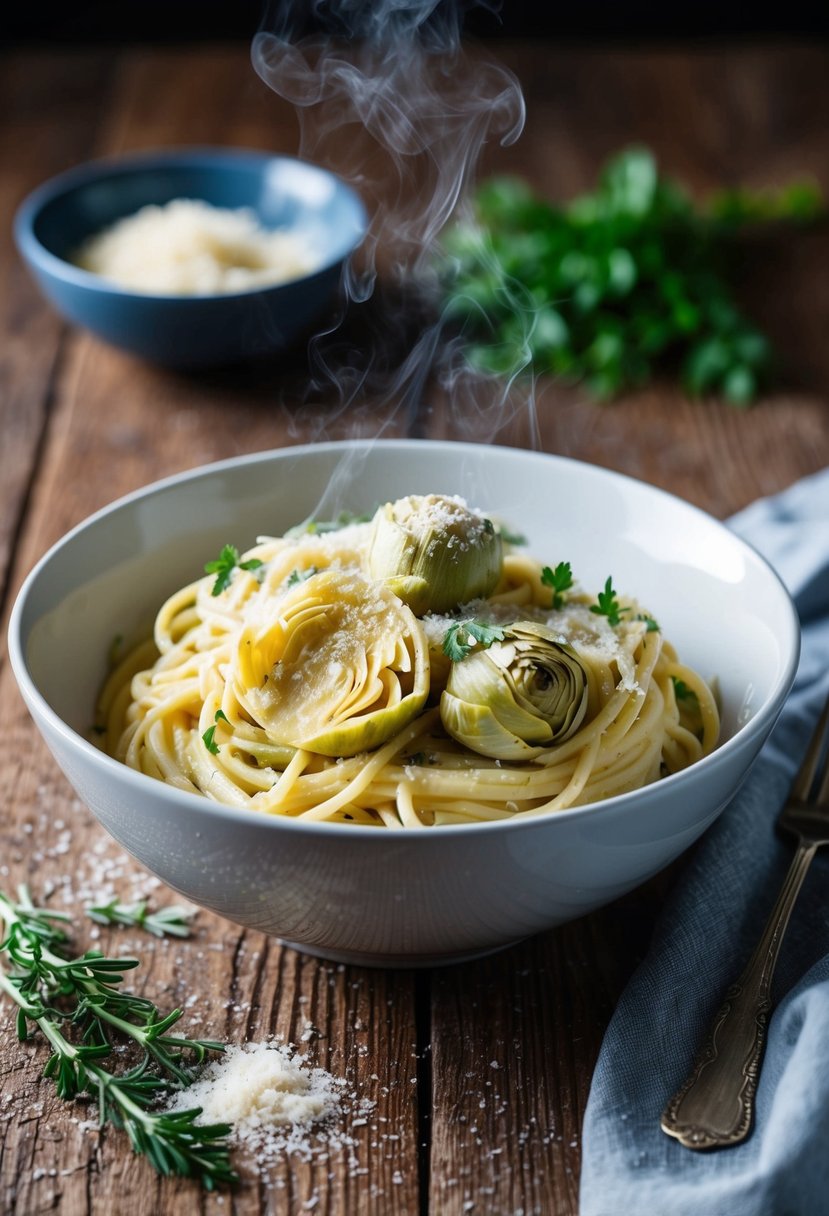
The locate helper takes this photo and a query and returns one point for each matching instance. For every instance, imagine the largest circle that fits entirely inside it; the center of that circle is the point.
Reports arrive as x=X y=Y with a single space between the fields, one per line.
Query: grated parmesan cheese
x=275 y=1102
x=188 y=247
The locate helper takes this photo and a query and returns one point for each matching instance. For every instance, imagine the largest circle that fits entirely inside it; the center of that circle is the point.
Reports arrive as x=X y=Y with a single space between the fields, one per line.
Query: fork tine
x=808 y=770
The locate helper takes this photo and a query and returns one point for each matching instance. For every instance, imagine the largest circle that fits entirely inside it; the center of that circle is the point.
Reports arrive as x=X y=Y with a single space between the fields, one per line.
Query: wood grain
x=479 y=1074
x=32 y=148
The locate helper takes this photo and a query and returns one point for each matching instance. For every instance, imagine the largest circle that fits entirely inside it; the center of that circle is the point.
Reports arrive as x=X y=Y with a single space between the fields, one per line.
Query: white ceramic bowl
x=366 y=895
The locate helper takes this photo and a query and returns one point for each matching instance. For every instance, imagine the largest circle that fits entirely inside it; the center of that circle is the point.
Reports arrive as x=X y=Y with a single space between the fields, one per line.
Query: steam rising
x=388 y=98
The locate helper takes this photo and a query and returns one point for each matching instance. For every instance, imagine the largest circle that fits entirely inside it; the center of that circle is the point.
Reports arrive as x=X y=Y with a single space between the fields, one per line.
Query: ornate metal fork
x=714 y=1107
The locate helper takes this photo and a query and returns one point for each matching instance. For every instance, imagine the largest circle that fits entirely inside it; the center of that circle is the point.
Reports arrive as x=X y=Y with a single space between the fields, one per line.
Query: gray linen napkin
x=704 y=935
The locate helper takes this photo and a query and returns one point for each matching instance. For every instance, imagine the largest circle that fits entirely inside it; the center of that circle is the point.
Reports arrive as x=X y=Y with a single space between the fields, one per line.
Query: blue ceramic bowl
x=191 y=331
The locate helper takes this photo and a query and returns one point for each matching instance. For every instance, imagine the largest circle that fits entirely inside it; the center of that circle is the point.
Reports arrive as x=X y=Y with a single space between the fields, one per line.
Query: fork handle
x=714 y=1108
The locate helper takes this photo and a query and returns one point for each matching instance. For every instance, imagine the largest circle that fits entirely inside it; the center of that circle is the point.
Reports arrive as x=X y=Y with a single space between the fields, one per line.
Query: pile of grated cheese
x=273 y=1099
x=188 y=247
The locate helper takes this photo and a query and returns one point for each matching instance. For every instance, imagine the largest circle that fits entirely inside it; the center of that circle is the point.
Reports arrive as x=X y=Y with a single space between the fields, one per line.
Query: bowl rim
x=197 y=804
x=32 y=249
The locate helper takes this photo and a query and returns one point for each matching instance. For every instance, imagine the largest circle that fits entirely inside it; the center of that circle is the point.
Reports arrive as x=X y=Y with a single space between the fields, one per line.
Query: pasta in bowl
x=473 y=771
x=296 y=679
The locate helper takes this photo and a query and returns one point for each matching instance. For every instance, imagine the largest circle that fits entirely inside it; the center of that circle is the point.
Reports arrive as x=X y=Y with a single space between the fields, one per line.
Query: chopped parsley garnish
x=607 y=604
x=225 y=564
x=419 y=759
x=652 y=626
x=512 y=538
x=207 y=738
x=316 y=527
x=464 y=636
x=560 y=579
x=300 y=576
x=682 y=692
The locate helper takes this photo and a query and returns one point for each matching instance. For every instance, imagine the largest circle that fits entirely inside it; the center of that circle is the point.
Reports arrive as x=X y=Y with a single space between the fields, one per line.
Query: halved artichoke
x=340 y=668
x=522 y=694
x=434 y=552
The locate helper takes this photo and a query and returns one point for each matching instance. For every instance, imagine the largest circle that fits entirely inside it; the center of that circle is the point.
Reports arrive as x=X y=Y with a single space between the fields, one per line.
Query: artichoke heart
x=340 y=667
x=522 y=694
x=434 y=552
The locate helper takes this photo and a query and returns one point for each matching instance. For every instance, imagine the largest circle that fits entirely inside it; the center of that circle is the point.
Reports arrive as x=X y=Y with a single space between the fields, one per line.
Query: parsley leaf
x=652 y=625
x=300 y=576
x=317 y=527
x=224 y=565
x=560 y=579
x=512 y=538
x=682 y=691
x=464 y=636
x=207 y=738
x=419 y=759
x=607 y=604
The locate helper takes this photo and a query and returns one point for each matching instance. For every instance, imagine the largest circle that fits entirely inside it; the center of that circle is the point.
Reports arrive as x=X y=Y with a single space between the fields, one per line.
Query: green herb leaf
x=560 y=579
x=607 y=604
x=512 y=538
x=652 y=626
x=682 y=692
x=300 y=576
x=317 y=527
x=464 y=636
x=170 y=921
x=418 y=758
x=224 y=565
x=208 y=736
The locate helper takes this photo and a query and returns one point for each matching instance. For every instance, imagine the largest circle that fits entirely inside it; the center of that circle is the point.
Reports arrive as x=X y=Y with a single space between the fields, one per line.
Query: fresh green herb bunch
x=85 y=1014
x=617 y=285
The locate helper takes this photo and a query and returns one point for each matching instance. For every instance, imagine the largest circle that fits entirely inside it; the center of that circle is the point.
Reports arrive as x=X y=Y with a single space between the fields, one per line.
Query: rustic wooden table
x=479 y=1073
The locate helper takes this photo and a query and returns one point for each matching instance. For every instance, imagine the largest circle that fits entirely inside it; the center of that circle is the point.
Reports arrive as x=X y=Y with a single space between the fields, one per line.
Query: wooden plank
x=33 y=148
x=714 y=455
x=515 y=1039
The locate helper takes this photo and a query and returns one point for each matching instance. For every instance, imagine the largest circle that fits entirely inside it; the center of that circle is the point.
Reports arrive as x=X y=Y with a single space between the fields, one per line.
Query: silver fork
x=714 y=1108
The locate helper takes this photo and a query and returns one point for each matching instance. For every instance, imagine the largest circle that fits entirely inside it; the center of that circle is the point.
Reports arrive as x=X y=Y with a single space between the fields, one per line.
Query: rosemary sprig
x=171 y=921
x=83 y=997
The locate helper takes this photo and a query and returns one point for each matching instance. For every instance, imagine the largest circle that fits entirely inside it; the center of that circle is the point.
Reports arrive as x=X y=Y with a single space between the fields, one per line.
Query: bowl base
x=359 y=958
